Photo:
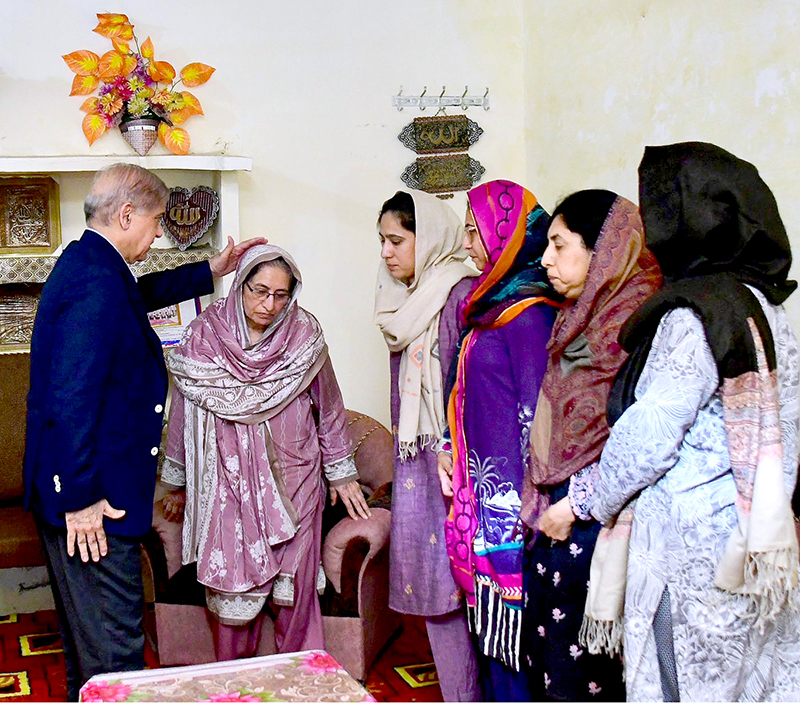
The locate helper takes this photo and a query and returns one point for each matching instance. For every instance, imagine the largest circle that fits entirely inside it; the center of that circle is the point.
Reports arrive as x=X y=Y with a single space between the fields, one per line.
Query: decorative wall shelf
x=34 y=269
x=83 y=164
x=225 y=171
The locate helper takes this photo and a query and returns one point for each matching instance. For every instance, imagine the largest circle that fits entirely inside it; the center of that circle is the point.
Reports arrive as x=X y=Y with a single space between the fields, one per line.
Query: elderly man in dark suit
x=95 y=408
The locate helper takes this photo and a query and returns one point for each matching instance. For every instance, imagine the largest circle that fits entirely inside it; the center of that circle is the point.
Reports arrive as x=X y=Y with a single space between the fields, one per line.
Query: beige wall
x=304 y=88
x=577 y=89
x=604 y=79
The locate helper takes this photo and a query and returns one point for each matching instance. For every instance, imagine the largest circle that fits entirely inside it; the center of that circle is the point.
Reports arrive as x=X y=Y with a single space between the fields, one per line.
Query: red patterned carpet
x=32 y=665
x=404 y=670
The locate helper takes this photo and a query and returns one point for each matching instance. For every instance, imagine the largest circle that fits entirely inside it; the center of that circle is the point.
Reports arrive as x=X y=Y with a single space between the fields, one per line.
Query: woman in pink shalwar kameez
x=250 y=460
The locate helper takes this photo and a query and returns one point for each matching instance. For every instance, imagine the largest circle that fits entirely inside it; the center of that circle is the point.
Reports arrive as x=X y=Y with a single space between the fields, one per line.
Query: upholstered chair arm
x=372 y=534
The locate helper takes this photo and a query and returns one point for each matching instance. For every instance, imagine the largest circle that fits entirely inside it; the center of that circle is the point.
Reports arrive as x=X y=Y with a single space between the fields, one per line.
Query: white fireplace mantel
x=78 y=164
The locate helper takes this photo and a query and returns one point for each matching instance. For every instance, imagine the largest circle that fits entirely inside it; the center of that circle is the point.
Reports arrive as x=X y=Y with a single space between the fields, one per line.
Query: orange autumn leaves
x=174 y=138
x=133 y=84
x=114 y=26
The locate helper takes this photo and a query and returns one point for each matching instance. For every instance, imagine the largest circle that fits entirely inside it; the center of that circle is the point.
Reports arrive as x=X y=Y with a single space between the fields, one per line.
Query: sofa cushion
x=19 y=540
x=14 y=383
x=374 y=449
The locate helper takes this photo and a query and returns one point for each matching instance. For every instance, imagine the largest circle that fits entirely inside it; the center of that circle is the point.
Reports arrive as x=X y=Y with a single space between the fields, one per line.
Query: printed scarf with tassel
x=760 y=558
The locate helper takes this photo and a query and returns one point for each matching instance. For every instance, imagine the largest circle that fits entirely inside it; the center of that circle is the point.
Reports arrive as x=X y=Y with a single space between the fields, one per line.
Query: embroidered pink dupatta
x=226 y=389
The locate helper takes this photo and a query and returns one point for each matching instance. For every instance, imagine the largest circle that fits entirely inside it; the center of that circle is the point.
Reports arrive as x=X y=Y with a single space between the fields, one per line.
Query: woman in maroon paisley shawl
x=597 y=259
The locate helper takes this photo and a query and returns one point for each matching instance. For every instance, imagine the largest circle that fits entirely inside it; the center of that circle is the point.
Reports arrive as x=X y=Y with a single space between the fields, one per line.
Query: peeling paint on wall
x=769 y=84
x=619 y=75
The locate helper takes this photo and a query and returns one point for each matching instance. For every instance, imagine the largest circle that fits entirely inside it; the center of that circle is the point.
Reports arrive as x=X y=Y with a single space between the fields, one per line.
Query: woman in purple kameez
x=421 y=283
x=502 y=359
x=249 y=460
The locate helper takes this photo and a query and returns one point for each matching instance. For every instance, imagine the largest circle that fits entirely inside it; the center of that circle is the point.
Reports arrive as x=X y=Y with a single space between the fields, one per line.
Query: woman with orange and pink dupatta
x=508 y=315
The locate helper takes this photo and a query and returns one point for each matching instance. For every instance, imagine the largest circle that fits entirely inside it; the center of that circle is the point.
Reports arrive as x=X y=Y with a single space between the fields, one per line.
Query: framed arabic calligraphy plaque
x=443 y=174
x=29 y=216
x=442 y=134
x=190 y=214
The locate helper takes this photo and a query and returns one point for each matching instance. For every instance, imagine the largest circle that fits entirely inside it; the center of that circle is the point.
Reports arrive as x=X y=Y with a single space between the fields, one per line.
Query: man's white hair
x=115 y=185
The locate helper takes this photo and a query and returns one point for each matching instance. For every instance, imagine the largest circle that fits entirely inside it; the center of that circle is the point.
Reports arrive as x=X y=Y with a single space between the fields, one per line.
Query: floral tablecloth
x=301 y=676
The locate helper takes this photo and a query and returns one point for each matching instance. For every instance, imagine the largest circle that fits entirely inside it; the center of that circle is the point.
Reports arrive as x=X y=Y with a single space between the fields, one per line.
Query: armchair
x=357 y=621
x=355 y=555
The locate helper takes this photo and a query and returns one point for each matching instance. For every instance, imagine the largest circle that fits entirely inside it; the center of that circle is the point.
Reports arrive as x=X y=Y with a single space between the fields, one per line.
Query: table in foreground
x=300 y=676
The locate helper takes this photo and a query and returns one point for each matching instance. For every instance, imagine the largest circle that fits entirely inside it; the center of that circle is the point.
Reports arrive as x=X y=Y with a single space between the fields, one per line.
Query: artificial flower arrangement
x=136 y=93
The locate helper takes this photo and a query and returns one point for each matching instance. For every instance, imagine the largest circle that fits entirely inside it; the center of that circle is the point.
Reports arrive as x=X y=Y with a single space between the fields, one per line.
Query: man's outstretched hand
x=228 y=259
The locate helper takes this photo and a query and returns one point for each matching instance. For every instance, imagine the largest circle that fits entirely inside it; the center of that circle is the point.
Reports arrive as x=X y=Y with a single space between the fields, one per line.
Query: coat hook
x=399 y=93
x=424 y=90
x=464 y=95
x=485 y=95
x=441 y=107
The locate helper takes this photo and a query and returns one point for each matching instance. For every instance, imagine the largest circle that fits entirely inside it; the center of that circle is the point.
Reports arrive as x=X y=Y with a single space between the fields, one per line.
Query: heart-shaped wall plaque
x=189 y=215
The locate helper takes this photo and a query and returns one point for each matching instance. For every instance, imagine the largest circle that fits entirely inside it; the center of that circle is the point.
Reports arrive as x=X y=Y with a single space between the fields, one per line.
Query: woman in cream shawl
x=421 y=282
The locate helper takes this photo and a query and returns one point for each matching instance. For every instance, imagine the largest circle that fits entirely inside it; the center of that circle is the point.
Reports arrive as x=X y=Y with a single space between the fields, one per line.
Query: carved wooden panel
x=29 y=216
x=18 y=304
x=163 y=259
x=26 y=269
x=36 y=269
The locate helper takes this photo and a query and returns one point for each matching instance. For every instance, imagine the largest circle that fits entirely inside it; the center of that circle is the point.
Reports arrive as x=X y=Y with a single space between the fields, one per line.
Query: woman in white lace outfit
x=256 y=425
x=702 y=458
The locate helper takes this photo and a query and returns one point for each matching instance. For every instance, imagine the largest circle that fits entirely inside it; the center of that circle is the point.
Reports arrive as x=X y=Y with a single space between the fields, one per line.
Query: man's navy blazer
x=98 y=384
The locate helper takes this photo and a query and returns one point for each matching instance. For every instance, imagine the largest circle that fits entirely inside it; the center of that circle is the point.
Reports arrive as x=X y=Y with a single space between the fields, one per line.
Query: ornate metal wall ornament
x=29 y=216
x=443 y=174
x=440 y=134
x=18 y=305
x=163 y=259
x=447 y=136
x=189 y=215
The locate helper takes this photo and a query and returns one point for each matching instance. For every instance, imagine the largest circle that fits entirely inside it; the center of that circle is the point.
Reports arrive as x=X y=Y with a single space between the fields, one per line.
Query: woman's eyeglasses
x=262 y=294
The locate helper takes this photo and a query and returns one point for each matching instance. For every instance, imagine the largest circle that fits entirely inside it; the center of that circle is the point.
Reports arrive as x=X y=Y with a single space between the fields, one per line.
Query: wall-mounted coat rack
x=442 y=141
x=441 y=101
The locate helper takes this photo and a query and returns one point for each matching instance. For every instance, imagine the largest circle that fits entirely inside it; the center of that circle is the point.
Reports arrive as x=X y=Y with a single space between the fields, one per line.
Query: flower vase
x=140 y=133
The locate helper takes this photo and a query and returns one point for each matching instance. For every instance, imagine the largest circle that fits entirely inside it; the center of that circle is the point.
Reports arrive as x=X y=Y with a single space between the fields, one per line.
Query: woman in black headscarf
x=696 y=478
